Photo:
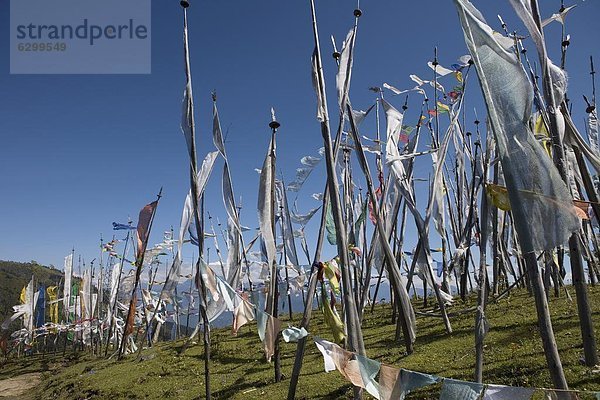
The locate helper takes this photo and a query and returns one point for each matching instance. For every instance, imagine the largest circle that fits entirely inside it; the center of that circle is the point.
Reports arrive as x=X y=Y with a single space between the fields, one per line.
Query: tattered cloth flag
x=286 y=224
x=592 y=124
x=330 y=226
x=359 y=370
x=26 y=309
x=309 y=163
x=228 y=196
x=186 y=218
x=395 y=384
x=331 y=317
x=378 y=194
x=265 y=208
x=441 y=71
x=321 y=108
x=334 y=357
x=342 y=79
x=302 y=219
x=293 y=334
x=453 y=389
x=40 y=308
x=331 y=271
x=368 y=371
x=68 y=268
x=527 y=169
x=389 y=383
x=243 y=313
x=273 y=328
x=52 y=292
x=118 y=227
x=268 y=329
x=499 y=198
x=499 y=392
x=360 y=115
x=143 y=227
x=560 y=17
x=208 y=276
x=187 y=114
x=129 y=326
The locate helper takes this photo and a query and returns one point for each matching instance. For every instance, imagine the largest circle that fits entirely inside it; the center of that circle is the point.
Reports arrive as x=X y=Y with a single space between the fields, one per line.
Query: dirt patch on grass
x=16 y=387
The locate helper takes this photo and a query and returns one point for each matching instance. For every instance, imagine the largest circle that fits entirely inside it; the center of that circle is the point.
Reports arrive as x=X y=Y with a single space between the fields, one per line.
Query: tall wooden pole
x=481 y=294
x=355 y=340
x=197 y=212
x=587 y=330
x=583 y=306
x=114 y=308
x=273 y=305
x=401 y=295
x=469 y=229
x=285 y=263
x=139 y=262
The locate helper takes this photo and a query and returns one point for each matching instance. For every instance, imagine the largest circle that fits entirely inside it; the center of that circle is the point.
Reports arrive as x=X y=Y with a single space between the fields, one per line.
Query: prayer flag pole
x=189 y=129
x=114 y=309
x=139 y=262
x=355 y=341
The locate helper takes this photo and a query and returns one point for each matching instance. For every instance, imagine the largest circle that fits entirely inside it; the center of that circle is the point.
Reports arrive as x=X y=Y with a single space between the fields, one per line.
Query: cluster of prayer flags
x=395 y=383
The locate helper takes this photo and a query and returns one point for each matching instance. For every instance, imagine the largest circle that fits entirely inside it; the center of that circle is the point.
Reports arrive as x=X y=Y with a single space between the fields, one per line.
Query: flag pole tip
x=184 y=3
x=273 y=124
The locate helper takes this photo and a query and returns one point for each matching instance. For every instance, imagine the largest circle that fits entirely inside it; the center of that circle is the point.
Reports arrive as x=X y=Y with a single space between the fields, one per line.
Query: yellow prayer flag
x=498 y=195
x=499 y=198
x=52 y=296
x=540 y=131
x=23 y=296
x=331 y=318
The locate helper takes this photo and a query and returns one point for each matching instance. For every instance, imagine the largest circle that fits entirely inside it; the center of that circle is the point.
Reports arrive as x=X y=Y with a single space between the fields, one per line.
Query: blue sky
x=81 y=151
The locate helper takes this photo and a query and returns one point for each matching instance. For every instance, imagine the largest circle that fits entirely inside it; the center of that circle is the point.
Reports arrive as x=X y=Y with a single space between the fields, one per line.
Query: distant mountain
x=15 y=275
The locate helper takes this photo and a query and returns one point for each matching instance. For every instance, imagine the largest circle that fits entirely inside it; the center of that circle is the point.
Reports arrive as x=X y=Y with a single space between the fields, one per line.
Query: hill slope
x=513 y=356
x=15 y=275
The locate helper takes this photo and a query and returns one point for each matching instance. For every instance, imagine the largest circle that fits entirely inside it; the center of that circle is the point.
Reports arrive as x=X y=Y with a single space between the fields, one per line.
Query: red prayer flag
x=143 y=226
x=130 y=319
x=371 y=211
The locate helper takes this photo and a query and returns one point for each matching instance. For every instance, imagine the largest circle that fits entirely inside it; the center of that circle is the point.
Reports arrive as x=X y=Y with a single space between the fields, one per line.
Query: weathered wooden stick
x=393 y=270
x=480 y=322
x=355 y=339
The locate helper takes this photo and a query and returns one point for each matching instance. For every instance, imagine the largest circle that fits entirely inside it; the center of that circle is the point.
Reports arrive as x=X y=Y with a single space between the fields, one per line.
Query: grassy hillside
x=15 y=275
x=513 y=356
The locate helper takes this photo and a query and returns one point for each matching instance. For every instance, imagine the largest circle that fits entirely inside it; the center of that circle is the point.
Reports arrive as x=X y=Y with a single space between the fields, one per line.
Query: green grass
x=513 y=356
